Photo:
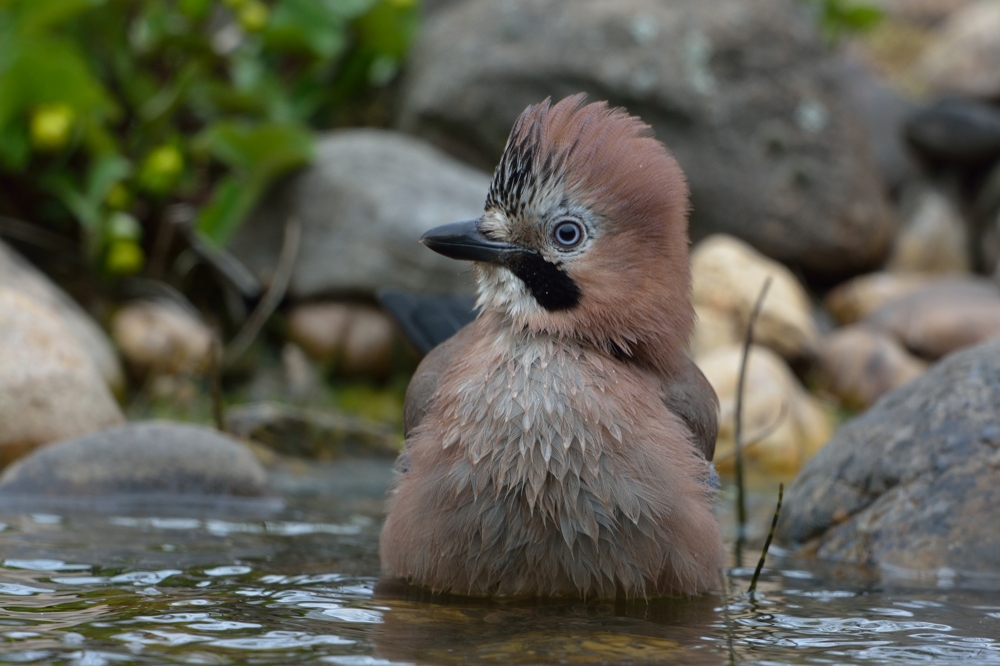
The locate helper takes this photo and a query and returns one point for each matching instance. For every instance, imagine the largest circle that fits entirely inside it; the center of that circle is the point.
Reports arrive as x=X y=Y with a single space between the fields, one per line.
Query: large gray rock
x=915 y=481
x=17 y=273
x=743 y=93
x=884 y=111
x=50 y=388
x=140 y=458
x=363 y=205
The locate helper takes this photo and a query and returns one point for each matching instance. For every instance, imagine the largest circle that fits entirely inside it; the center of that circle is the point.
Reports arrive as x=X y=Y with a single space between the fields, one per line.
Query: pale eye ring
x=568 y=234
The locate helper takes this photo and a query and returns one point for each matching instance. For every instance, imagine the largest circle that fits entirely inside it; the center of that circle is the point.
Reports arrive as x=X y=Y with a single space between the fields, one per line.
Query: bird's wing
x=427 y=320
x=428 y=375
x=688 y=394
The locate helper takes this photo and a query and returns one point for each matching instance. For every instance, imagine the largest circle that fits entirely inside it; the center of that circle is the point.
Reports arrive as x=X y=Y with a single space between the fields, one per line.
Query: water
x=91 y=590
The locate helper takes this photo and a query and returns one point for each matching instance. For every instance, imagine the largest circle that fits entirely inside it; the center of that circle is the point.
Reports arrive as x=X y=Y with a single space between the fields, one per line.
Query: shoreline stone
x=914 y=482
x=50 y=388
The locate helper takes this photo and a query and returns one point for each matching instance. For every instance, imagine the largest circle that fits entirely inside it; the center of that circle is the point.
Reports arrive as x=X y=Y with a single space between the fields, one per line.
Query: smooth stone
x=50 y=388
x=363 y=205
x=956 y=131
x=161 y=338
x=943 y=316
x=788 y=424
x=727 y=276
x=912 y=483
x=859 y=365
x=713 y=328
x=16 y=272
x=965 y=57
x=746 y=96
x=306 y=433
x=934 y=237
x=150 y=461
x=355 y=339
x=857 y=298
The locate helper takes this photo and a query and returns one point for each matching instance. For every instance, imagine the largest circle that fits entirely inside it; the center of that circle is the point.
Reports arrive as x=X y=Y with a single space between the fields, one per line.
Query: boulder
x=161 y=338
x=965 y=58
x=884 y=111
x=934 y=237
x=859 y=365
x=323 y=435
x=727 y=276
x=943 y=316
x=745 y=94
x=356 y=339
x=913 y=483
x=857 y=298
x=50 y=388
x=956 y=132
x=714 y=328
x=146 y=458
x=783 y=426
x=363 y=205
x=16 y=272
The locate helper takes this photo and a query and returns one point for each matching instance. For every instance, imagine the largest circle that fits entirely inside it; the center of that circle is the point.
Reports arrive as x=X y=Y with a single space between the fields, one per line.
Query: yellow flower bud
x=51 y=125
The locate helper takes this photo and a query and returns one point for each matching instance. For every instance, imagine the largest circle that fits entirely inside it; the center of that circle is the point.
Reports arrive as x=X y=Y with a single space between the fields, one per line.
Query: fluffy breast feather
x=543 y=468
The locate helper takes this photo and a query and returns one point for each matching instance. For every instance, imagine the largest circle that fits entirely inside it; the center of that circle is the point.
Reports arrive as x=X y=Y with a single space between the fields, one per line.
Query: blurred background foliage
x=838 y=18
x=113 y=110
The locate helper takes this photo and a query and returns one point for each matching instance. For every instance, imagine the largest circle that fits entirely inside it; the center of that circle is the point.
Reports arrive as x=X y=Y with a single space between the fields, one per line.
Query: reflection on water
x=94 y=590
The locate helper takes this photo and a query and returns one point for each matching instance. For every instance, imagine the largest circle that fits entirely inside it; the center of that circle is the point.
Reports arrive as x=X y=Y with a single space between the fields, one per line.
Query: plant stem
x=767 y=542
x=741 y=508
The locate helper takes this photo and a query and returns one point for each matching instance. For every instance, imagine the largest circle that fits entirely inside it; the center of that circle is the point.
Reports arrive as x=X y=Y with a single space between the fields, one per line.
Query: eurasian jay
x=560 y=444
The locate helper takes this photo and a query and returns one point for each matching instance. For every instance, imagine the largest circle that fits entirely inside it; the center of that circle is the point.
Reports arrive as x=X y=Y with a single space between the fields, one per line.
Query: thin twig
x=177 y=215
x=741 y=507
x=272 y=297
x=767 y=542
x=727 y=620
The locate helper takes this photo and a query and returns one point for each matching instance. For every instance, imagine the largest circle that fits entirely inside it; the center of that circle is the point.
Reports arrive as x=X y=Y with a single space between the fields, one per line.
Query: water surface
x=299 y=588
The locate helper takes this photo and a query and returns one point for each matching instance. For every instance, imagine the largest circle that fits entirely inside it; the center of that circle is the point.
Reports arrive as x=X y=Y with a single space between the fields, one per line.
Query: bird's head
x=584 y=234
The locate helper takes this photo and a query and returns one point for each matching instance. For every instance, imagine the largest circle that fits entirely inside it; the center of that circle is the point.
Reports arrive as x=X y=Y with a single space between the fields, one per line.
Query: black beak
x=463 y=240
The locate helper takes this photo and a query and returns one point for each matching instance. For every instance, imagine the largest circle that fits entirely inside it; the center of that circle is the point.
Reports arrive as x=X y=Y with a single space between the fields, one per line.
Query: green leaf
x=103 y=175
x=15 y=146
x=231 y=202
x=35 y=17
x=307 y=25
x=257 y=154
x=50 y=71
x=861 y=17
x=387 y=29
x=349 y=8
x=69 y=193
x=260 y=152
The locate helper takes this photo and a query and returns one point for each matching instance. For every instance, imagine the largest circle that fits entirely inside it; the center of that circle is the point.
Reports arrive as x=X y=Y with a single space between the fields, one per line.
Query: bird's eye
x=568 y=234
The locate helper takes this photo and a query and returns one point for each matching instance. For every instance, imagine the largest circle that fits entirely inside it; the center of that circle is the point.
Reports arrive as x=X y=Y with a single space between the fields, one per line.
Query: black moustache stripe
x=550 y=286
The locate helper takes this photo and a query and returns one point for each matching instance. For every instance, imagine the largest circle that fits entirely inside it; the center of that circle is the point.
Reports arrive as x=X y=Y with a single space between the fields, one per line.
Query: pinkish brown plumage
x=559 y=445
